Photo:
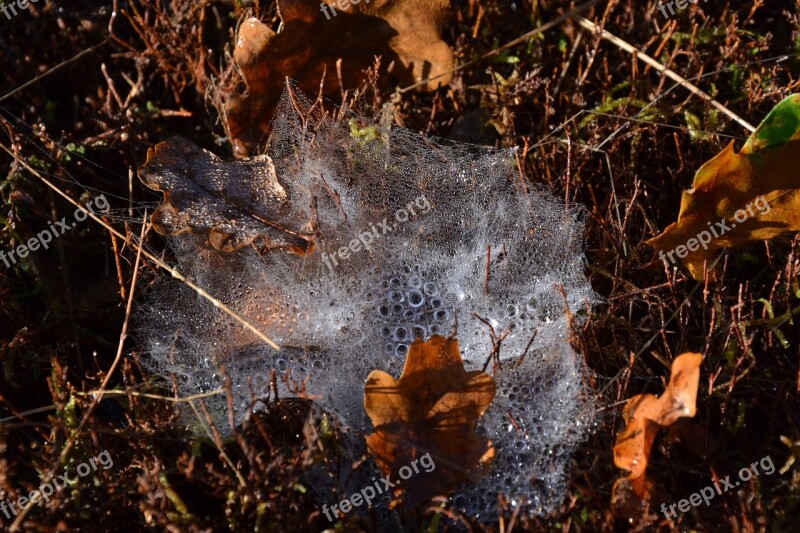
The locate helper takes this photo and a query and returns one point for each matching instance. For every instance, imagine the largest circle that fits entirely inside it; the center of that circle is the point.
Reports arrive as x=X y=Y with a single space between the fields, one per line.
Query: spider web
x=416 y=237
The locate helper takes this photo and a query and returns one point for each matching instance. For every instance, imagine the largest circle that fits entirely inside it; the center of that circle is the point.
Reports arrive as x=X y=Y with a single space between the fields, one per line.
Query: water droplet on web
x=338 y=324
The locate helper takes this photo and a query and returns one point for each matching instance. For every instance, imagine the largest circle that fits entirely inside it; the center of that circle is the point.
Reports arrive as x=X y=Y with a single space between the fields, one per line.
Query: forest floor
x=86 y=92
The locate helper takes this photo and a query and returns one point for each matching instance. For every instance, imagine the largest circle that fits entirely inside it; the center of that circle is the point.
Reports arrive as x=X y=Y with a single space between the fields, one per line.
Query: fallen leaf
x=232 y=204
x=405 y=33
x=765 y=167
x=644 y=415
x=433 y=408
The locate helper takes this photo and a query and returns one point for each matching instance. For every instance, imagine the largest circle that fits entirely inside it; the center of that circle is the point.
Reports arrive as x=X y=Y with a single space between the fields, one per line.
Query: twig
x=118 y=262
x=124 y=333
x=567 y=64
x=21 y=415
x=488 y=261
x=528 y=347
x=125 y=392
x=216 y=438
x=496 y=341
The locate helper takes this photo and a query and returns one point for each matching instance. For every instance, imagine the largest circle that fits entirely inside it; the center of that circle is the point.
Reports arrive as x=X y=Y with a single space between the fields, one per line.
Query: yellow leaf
x=340 y=43
x=644 y=415
x=433 y=408
x=755 y=194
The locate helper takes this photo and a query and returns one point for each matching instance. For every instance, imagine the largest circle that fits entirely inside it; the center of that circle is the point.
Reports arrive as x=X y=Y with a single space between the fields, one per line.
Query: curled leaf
x=644 y=415
x=754 y=193
x=232 y=204
x=433 y=408
x=405 y=33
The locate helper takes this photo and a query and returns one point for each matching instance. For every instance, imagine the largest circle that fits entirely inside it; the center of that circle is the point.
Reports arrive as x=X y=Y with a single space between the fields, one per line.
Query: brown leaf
x=433 y=408
x=644 y=415
x=405 y=33
x=232 y=204
x=732 y=183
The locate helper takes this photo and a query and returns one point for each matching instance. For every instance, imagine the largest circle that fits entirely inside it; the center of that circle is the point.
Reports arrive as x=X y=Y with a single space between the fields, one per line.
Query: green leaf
x=781 y=126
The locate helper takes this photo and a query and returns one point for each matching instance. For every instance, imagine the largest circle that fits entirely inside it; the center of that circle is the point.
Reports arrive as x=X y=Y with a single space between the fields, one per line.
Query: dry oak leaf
x=767 y=166
x=644 y=415
x=232 y=204
x=405 y=33
x=433 y=408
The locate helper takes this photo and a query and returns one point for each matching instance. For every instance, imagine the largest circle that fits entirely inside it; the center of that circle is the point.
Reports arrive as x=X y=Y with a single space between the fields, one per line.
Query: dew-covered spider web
x=414 y=238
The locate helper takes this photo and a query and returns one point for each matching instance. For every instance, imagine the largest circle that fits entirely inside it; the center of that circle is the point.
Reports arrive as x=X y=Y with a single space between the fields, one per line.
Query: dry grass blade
x=52 y=70
x=610 y=37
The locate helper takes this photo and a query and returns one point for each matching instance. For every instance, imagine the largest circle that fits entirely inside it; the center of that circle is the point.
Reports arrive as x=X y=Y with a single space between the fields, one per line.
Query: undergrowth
x=594 y=125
